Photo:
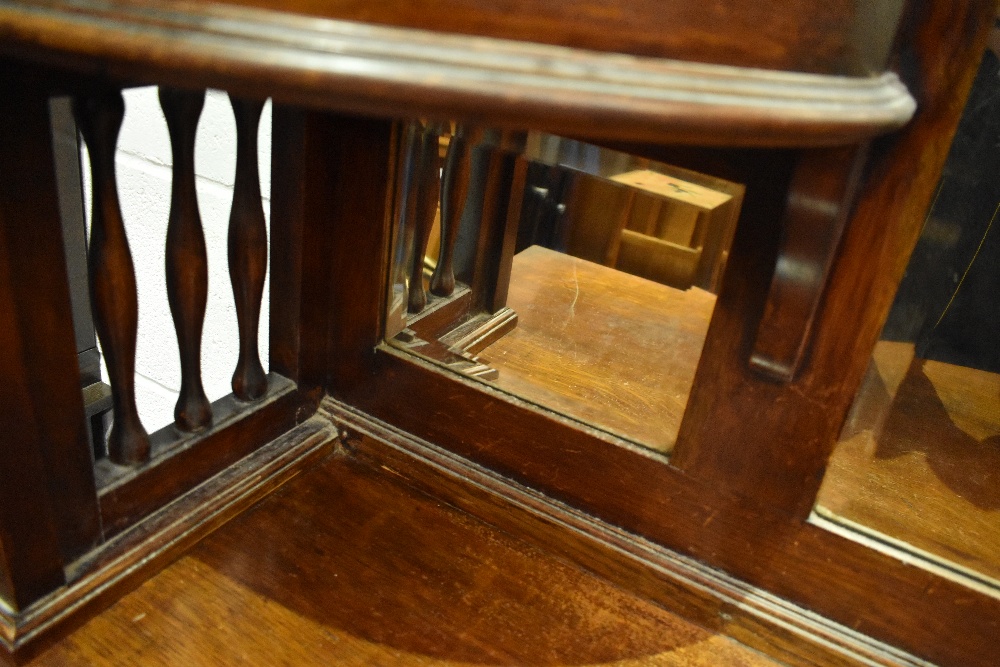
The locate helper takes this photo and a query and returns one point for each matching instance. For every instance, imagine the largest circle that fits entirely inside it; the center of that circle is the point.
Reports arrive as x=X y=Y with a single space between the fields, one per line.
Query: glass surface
x=918 y=462
x=585 y=278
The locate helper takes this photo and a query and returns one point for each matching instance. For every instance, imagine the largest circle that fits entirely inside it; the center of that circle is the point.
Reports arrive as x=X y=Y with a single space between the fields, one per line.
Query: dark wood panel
x=332 y=179
x=285 y=297
x=360 y=156
x=820 y=197
x=49 y=510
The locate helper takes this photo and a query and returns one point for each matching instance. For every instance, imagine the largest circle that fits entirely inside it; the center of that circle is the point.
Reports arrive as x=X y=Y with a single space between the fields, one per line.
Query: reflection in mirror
x=918 y=462
x=575 y=277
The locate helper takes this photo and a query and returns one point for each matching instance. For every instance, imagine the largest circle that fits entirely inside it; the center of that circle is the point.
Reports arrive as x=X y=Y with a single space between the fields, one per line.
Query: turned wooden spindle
x=427 y=180
x=454 y=189
x=112 y=275
x=247 y=250
x=187 y=261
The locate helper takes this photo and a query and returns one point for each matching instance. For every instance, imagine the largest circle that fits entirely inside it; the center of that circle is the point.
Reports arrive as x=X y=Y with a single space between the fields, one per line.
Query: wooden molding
x=123 y=563
x=358 y=68
x=681 y=584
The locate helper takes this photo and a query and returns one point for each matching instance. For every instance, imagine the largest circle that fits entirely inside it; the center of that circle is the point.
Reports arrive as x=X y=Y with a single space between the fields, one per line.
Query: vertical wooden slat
x=32 y=564
x=186 y=257
x=497 y=230
x=330 y=208
x=112 y=274
x=48 y=504
x=247 y=250
x=454 y=190
x=427 y=183
x=288 y=179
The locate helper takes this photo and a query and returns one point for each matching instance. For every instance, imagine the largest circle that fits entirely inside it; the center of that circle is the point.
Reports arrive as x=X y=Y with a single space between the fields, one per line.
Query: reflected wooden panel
x=454 y=190
x=426 y=180
x=919 y=460
x=601 y=346
x=247 y=250
x=616 y=351
x=187 y=259
x=112 y=275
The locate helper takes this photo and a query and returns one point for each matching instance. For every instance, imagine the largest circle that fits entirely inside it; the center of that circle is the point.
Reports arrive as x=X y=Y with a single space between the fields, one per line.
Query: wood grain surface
x=389 y=71
x=615 y=351
x=348 y=566
x=919 y=461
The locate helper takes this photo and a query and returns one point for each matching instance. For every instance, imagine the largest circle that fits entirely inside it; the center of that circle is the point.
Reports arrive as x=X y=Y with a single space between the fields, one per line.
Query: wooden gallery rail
x=835 y=116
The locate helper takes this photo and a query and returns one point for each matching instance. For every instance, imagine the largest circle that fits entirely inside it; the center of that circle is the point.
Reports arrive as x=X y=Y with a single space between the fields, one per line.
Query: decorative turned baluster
x=454 y=188
x=112 y=275
x=427 y=181
x=187 y=262
x=247 y=250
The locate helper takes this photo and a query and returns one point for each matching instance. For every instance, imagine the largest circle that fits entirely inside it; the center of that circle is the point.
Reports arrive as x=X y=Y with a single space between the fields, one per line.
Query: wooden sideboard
x=835 y=116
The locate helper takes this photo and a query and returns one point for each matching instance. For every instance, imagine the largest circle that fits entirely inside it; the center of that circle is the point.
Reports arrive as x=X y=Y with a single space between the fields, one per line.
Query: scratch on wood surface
x=576 y=295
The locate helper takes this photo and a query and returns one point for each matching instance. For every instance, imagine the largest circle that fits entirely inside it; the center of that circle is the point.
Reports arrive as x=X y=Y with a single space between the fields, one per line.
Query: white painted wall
x=144 y=173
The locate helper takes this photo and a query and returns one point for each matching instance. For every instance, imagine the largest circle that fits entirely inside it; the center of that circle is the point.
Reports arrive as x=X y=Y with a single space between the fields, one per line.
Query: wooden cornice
x=403 y=72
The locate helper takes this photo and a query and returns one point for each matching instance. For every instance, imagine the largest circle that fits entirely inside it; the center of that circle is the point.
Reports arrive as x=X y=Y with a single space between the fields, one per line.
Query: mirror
x=575 y=277
x=918 y=462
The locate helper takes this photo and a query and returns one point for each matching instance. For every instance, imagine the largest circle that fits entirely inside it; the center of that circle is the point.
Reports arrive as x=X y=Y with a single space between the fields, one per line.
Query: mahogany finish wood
x=404 y=204
x=784 y=468
x=682 y=585
x=126 y=560
x=288 y=173
x=819 y=202
x=186 y=257
x=378 y=573
x=301 y=60
x=47 y=500
x=870 y=592
x=802 y=37
x=751 y=452
x=330 y=179
x=178 y=465
x=498 y=225
x=112 y=275
x=247 y=250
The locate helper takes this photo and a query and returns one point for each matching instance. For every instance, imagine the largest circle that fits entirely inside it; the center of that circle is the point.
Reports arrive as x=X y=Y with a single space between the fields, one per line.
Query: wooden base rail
x=681 y=584
x=124 y=562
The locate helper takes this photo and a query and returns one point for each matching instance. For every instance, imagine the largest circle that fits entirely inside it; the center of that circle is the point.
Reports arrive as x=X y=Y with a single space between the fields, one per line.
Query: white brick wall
x=143 y=164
